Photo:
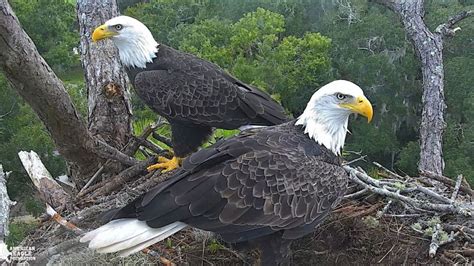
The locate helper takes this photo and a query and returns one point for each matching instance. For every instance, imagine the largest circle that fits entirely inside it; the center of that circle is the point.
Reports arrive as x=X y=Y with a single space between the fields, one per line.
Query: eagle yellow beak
x=102 y=32
x=360 y=106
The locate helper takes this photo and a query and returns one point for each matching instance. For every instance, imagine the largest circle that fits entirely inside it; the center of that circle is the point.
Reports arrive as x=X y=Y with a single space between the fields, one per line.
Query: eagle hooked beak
x=360 y=106
x=102 y=32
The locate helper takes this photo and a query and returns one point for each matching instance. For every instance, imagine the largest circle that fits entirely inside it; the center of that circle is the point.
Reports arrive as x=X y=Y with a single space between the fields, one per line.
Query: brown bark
x=37 y=84
x=106 y=81
x=429 y=49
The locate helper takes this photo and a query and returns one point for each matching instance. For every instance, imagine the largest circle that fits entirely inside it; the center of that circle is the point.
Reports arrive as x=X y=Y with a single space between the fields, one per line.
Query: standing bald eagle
x=265 y=186
x=194 y=95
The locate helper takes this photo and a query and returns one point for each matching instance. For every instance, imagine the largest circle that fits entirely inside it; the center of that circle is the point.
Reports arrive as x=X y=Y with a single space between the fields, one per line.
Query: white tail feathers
x=128 y=236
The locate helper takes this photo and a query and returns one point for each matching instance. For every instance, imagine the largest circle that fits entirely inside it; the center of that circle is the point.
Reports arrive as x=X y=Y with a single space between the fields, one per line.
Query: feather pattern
x=195 y=96
x=260 y=182
x=128 y=236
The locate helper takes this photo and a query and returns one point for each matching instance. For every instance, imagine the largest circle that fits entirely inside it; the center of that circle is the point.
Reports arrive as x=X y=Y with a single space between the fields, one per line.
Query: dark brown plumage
x=196 y=96
x=264 y=187
x=272 y=182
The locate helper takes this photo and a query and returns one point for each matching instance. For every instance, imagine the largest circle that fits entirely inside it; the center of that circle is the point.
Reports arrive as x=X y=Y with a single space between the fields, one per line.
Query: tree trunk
x=5 y=204
x=106 y=81
x=429 y=48
x=37 y=84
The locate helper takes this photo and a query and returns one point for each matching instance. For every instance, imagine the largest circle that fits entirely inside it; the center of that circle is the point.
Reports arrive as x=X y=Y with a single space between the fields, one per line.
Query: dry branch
x=117 y=181
x=376 y=186
x=50 y=191
x=422 y=203
x=446 y=29
x=448 y=181
x=39 y=86
x=5 y=204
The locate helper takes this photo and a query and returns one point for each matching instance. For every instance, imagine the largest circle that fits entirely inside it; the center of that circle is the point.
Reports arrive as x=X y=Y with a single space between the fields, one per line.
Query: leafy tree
x=52 y=26
x=254 y=50
x=20 y=129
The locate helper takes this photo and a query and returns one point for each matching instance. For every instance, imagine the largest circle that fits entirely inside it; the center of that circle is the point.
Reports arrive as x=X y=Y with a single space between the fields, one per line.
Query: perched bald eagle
x=194 y=95
x=265 y=186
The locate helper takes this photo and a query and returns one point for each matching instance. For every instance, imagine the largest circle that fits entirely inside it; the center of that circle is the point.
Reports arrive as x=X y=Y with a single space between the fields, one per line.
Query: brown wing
x=246 y=187
x=183 y=87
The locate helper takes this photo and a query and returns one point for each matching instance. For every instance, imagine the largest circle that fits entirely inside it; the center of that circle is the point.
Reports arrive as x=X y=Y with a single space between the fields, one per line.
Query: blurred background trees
x=289 y=48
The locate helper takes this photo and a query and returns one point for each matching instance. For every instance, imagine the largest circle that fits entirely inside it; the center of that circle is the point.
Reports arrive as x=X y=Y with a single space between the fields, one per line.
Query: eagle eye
x=118 y=27
x=340 y=96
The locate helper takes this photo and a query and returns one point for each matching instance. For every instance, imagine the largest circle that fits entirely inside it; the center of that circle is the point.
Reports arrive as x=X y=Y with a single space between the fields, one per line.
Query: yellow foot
x=165 y=164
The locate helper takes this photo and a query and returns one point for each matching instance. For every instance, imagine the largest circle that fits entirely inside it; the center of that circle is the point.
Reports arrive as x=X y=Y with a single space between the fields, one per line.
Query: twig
x=60 y=220
x=460 y=228
x=434 y=245
x=129 y=149
x=106 y=151
x=160 y=138
x=373 y=185
x=433 y=194
x=448 y=181
x=384 y=210
x=115 y=182
x=456 y=188
x=151 y=146
x=355 y=160
x=446 y=28
x=356 y=194
x=391 y=174
x=9 y=111
x=93 y=177
x=134 y=143
x=50 y=191
x=409 y=215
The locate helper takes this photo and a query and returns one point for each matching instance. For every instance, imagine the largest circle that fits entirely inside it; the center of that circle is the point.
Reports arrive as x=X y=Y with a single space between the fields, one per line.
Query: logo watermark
x=20 y=254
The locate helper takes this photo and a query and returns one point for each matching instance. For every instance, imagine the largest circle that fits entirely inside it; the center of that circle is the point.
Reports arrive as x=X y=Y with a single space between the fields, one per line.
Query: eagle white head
x=133 y=39
x=326 y=116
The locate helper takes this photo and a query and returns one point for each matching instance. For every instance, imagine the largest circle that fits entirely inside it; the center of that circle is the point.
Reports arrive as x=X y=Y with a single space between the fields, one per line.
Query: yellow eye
x=118 y=27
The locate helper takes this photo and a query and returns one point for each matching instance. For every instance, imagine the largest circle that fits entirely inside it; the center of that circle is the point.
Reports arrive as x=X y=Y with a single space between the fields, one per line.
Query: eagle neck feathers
x=328 y=128
x=137 y=52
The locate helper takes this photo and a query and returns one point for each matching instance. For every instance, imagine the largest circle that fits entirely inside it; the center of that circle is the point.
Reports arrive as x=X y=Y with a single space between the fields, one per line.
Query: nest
x=393 y=219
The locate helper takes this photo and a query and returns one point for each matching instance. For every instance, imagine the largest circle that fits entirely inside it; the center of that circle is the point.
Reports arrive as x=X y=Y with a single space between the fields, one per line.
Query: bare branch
x=115 y=182
x=375 y=186
x=448 y=181
x=39 y=86
x=5 y=204
x=434 y=245
x=63 y=222
x=456 y=188
x=50 y=191
x=446 y=29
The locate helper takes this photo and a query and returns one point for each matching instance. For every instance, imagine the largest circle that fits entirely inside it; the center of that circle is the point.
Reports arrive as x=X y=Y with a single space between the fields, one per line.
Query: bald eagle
x=194 y=95
x=265 y=186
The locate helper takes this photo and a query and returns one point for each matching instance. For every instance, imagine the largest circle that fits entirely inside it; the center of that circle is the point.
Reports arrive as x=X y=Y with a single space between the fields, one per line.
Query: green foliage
x=162 y=16
x=253 y=50
x=303 y=65
x=52 y=26
x=18 y=231
x=409 y=157
x=288 y=48
x=34 y=206
x=214 y=246
x=20 y=129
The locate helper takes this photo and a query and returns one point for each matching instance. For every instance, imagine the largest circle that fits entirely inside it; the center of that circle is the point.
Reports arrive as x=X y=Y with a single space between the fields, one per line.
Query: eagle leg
x=166 y=164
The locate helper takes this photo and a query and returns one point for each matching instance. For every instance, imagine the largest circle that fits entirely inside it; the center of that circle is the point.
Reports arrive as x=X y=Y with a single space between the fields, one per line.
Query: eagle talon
x=165 y=164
